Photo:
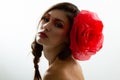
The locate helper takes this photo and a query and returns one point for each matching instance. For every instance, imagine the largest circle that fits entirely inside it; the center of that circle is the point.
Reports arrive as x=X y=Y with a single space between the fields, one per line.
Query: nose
x=47 y=26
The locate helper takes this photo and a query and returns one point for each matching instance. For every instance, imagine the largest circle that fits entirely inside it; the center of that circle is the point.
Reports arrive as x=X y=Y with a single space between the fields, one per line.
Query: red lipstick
x=42 y=35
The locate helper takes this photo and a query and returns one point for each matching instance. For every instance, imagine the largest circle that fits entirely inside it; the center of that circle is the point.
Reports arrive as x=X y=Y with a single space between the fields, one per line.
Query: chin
x=39 y=41
x=42 y=42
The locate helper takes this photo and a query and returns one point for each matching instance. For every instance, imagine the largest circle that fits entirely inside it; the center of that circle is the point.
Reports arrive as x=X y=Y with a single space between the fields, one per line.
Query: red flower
x=86 y=36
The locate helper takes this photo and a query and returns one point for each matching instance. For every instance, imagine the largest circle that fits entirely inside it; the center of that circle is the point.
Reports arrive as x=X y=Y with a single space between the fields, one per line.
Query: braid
x=37 y=52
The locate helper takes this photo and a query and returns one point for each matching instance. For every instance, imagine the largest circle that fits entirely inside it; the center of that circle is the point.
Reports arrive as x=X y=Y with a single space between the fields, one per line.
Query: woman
x=63 y=40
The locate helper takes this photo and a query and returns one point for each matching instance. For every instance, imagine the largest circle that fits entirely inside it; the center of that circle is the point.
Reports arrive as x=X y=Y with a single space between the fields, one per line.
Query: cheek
x=60 y=37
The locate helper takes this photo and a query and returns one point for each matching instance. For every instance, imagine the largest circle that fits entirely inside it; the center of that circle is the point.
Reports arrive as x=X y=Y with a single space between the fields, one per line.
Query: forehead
x=58 y=14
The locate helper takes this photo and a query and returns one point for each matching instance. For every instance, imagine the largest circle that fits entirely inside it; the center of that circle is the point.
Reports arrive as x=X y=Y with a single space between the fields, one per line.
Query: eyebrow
x=56 y=19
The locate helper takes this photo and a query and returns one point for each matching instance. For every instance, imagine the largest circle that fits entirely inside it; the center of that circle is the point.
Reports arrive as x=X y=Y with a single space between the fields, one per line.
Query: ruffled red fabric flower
x=86 y=37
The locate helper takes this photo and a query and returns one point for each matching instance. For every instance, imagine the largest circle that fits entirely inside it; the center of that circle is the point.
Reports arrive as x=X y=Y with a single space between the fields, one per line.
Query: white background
x=18 y=22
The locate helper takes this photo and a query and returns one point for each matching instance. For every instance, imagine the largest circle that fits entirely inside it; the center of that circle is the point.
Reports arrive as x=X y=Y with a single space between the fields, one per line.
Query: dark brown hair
x=71 y=11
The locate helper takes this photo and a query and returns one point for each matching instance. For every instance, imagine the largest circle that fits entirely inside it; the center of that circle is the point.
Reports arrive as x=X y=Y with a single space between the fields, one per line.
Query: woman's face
x=53 y=29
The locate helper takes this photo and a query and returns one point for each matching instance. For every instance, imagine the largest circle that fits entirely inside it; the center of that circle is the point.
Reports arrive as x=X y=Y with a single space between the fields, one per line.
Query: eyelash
x=57 y=24
x=45 y=19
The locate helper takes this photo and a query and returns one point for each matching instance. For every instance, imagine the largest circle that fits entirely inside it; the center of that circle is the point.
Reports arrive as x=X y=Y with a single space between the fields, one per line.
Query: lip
x=42 y=35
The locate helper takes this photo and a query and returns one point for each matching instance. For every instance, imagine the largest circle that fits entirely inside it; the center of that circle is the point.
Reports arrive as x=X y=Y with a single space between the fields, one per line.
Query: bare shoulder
x=56 y=75
x=64 y=70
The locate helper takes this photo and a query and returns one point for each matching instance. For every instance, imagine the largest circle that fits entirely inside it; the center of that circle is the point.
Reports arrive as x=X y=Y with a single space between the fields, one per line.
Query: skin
x=55 y=25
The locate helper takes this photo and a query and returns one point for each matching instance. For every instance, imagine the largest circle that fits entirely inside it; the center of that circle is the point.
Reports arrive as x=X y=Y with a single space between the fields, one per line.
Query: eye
x=59 y=25
x=45 y=19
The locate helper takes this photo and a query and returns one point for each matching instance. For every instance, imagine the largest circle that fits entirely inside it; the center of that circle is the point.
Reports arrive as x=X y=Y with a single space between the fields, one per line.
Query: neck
x=51 y=53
